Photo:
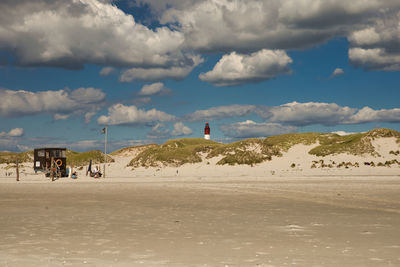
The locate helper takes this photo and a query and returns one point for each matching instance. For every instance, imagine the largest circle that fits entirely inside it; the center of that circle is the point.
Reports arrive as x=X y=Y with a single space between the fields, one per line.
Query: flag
x=104 y=130
x=89 y=169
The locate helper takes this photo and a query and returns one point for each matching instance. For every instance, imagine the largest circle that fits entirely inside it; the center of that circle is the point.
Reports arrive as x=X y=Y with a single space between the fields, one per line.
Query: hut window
x=63 y=155
x=40 y=153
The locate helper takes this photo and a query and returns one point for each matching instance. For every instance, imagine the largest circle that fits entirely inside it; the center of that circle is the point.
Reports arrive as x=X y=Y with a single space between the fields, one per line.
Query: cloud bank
x=59 y=103
x=120 y=114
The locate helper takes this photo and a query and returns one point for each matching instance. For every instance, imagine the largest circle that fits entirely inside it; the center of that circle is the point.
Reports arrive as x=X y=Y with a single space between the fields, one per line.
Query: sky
x=152 y=70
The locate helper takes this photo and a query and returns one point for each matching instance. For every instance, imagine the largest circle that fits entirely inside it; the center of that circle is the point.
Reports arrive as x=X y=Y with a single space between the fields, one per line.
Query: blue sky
x=157 y=70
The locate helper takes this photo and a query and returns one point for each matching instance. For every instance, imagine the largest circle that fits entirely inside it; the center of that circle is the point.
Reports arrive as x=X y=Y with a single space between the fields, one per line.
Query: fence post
x=17 y=166
x=52 y=168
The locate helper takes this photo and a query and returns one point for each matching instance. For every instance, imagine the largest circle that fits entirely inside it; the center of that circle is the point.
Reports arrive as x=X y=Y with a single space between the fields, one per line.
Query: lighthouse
x=207 y=132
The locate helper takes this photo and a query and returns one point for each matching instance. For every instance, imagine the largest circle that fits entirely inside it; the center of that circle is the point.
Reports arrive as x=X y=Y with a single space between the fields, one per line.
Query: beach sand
x=277 y=213
x=199 y=221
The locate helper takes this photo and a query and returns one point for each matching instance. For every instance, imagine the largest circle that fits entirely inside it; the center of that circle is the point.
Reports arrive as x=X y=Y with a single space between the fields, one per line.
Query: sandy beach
x=307 y=221
x=296 y=209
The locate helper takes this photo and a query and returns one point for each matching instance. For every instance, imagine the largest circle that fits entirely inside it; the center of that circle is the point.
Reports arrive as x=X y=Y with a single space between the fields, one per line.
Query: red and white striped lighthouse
x=207 y=132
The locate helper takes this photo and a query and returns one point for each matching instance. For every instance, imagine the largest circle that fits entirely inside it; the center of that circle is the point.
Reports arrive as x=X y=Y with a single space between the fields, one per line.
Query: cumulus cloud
x=337 y=72
x=59 y=103
x=377 y=46
x=16 y=132
x=71 y=33
x=251 y=25
x=153 y=89
x=181 y=129
x=251 y=129
x=367 y=114
x=235 y=69
x=220 y=112
x=161 y=131
x=106 y=71
x=328 y=114
x=120 y=114
x=156 y=74
x=374 y=59
x=301 y=114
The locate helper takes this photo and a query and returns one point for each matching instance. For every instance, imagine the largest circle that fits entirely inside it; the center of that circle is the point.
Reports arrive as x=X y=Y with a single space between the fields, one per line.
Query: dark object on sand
x=42 y=161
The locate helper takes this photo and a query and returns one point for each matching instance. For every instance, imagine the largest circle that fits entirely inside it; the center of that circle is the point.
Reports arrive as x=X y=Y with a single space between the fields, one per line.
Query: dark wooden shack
x=42 y=160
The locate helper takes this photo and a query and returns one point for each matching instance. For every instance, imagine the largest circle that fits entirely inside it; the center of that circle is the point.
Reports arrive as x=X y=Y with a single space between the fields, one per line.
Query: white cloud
x=235 y=69
x=337 y=72
x=367 y=114
x=251 y=25
x=16 y=132
x=161 y=131
x=181 y=129
x=60 y=116
x=58 y=103
x=156 y=74
x=251 y=129
x=377 y=46
x=301 y=114
x=220 y=112
x=374 y=59
x=71 y=33
x=153 y=89
x=89 y=115
x=106 y=71
x=120 y=114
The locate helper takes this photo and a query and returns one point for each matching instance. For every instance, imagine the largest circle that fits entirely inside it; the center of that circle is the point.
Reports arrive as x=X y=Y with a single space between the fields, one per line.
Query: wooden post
x=105 y=152
x=17 y=166
x=52 y=168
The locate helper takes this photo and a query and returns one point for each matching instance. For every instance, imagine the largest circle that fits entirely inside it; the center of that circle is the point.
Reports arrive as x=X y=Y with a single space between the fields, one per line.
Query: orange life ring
x=59 y=162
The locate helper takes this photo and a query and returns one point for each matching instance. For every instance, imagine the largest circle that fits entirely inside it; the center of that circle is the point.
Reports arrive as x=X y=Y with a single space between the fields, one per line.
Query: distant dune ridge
x=252 y=151
x=288 y=154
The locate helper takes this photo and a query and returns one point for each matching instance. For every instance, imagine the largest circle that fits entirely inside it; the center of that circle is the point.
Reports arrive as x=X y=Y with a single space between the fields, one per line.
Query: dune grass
x=11 y=157
x=83 y=158
x=254 y=151
x=174 y=153
x=128 y=149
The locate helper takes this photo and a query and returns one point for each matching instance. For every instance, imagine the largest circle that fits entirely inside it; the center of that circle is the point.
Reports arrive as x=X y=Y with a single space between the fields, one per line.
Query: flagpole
x=105 y=152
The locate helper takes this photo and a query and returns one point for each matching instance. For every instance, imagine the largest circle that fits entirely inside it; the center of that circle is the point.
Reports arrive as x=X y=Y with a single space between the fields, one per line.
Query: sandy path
x=262 y=222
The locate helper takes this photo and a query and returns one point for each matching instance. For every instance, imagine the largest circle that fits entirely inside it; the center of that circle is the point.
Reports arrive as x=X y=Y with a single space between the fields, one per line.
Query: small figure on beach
x=96 y=173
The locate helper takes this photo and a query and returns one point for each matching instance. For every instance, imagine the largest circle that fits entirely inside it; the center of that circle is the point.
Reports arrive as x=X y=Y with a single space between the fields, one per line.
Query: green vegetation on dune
x=285 y=141
x=354 y=144
x=11 y=157
x=254 y=151
x=174 y=153
x=128 y=149
x=249 y=151
x=83 y=158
